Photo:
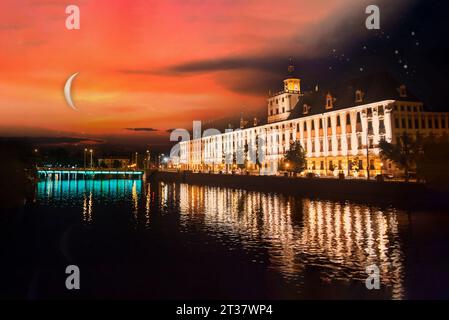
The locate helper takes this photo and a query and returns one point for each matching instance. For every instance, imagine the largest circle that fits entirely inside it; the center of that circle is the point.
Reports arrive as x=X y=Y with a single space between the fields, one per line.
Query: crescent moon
x=68 y=91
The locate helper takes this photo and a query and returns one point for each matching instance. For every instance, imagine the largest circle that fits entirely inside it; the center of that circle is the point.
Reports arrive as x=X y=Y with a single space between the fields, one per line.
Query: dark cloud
x=141 y=129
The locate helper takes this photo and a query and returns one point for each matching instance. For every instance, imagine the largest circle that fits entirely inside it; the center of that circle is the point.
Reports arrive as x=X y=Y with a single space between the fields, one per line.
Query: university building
x=339 y=128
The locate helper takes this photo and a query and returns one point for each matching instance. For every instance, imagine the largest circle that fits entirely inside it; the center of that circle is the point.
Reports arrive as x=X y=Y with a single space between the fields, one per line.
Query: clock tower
x=282 y=103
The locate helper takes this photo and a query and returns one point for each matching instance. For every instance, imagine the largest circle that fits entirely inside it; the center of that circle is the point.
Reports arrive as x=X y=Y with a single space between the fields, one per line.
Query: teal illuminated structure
x=75 y=172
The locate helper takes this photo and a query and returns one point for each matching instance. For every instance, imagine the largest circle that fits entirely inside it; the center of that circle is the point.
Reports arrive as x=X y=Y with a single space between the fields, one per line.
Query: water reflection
x=87 y=193
x=339 y=239
x=288 y=234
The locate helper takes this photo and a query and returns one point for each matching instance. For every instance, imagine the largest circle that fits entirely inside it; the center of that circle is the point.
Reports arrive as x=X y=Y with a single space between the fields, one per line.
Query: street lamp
x=148 y=159
x=36 y=154
x=85 y=151
x=91 y=158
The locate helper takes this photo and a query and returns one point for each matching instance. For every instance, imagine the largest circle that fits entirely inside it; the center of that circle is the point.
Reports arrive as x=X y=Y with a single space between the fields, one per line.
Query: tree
x=404 y=154
x=242 y=154
x=257 y=152
x=295 y=158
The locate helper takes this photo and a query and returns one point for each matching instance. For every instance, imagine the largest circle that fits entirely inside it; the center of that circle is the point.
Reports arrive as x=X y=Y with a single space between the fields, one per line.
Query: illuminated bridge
x=68 y=173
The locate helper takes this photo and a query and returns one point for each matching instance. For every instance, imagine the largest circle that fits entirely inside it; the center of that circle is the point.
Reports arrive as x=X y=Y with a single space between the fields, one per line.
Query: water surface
x=133 y=239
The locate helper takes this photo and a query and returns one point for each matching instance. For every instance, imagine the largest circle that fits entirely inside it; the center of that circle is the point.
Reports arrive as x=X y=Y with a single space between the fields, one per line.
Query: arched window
x=329 y=101
x=359 y=96
x=305 y=109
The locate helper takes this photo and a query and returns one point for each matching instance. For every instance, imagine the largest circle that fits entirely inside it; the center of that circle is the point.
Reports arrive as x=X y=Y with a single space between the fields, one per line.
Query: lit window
x=329 y=101
x=358 y=96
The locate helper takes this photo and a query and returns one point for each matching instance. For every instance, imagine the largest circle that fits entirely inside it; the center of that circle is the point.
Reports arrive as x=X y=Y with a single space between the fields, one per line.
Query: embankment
x=382 y=193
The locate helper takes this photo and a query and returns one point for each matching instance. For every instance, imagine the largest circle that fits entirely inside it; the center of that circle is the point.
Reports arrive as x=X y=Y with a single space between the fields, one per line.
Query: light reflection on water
x=338 y=239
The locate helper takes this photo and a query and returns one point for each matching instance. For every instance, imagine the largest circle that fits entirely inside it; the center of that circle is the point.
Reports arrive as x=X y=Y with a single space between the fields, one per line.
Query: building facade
x=339 y=128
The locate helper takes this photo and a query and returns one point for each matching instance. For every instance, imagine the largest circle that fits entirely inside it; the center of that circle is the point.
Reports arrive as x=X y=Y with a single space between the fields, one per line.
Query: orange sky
x=126 y=53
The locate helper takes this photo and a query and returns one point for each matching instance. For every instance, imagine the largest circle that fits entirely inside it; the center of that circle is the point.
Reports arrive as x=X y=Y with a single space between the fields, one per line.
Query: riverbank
x=382 y=193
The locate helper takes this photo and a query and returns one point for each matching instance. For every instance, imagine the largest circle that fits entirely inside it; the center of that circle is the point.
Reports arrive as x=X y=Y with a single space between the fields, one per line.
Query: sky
x=145 y=67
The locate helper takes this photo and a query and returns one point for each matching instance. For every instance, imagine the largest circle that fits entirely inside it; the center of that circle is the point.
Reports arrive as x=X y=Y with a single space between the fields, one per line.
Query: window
x=410 y=125
x=402 y=108
x=381 y=126
x=380 y=110
x=305 y=109
x=370 y=127
x=403 y=123
x=348 y=119
x=423 y=123
x=282 y=99
x=271 y=112
x=371 y=164
x=443 y=123
x=340 y=166
x=313 y=165
x=360 y=164
x=396 y=123
x=283 y=109
x=358 y=96
x=329 y=101
x=339 y=144
x=430 y=123
x=313 y=125
x=321 y=124
x=322 y=165
x=328 y=122
x=331 y=165
x=437 y=125
x=416 y=124
x=338 y=121
x=305 y=126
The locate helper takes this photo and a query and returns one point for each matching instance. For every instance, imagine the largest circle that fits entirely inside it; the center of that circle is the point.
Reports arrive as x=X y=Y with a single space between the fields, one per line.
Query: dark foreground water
x=133 y=239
